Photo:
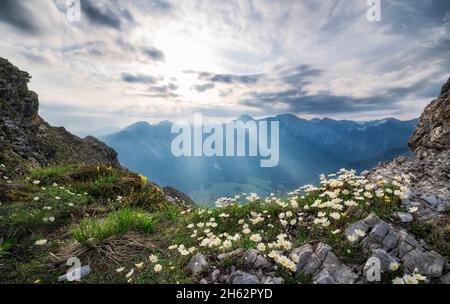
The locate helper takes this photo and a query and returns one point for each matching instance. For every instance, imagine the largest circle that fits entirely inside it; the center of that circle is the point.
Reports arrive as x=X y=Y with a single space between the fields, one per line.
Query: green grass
x=106 y=180
x=5 y=246
x=95 y=232
x=51 y=173
x=62 y=203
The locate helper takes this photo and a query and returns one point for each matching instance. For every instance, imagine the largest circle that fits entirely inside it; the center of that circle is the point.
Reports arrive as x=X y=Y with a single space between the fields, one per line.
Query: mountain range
x=307 y=149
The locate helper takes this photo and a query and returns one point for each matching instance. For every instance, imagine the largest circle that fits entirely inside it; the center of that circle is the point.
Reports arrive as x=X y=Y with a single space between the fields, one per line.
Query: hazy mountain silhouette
x=307 y=149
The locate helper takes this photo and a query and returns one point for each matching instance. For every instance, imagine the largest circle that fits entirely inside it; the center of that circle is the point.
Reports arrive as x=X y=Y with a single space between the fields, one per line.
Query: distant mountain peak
x=245 y=118
x=164 y=122
x=289 y=117
x=138 y=125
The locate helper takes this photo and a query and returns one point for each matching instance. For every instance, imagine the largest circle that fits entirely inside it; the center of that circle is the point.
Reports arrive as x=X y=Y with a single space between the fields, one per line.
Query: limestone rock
x=27 y=140
x=197 y=264
x=341 y=273
x=244 y=278
x=323 y=265
x=249 y=257
x=405 y=217
x=433 y=130
x=428 y=263
x=445 y=279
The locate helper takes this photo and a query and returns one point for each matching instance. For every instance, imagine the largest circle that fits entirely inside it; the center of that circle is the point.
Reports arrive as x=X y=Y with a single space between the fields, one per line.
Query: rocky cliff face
x=433 y=131
x=430 y=190
x=26 y=140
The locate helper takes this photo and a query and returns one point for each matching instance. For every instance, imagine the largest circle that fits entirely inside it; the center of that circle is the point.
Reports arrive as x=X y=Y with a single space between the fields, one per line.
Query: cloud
x=159 y=5
x=321 y=104
x=104 y=15
x=163 y=58
x=154 y=53
x=229 y=78
x=300 y=75
x=299 y=101
x=138 y=78
x=204 y=87
x=18 y=15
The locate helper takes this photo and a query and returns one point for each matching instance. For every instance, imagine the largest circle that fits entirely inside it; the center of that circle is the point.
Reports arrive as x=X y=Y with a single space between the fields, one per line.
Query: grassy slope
x=114 y=219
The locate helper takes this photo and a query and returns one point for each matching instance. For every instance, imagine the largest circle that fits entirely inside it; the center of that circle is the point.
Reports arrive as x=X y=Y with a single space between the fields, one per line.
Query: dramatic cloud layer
x=154 y=59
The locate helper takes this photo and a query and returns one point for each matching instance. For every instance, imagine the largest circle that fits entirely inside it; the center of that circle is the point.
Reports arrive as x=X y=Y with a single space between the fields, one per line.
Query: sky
x=154 y=60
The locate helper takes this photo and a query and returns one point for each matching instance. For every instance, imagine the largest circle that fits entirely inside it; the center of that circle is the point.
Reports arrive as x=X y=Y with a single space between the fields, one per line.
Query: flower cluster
x=408 y=279
x=270 y=224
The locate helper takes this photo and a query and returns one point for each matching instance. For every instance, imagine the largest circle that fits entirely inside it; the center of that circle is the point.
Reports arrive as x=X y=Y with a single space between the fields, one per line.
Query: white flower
x=227 y=244
x=36 y=182
x=420 y=277
x=36 y=199
x=393 y=266
x=246 y=231
x=153 y=258
x=40 y=242
x=368 y=194
x=335 y=215
x=255 y=238
x=410 y=280
x=413 y=210
x=336 y=231
x=158 y=267
x=360 y=233
x=139 y=265
x=398 y=281
x=119 y=270
x=261 y=247
x=183 y=251
x=326 y=224
x=128 y=275
x=351 y=238
x=350 y=203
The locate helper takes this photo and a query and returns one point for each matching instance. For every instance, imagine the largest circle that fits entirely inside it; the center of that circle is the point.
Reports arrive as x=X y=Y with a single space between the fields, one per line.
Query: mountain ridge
x=312 y=146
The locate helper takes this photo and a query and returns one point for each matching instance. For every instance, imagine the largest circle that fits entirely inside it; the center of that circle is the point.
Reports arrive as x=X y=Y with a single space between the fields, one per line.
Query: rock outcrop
x=323 y=265
x=433 y=131
x=394 y=245
x=428 y=195
x=430 y=171
x=26 y=140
